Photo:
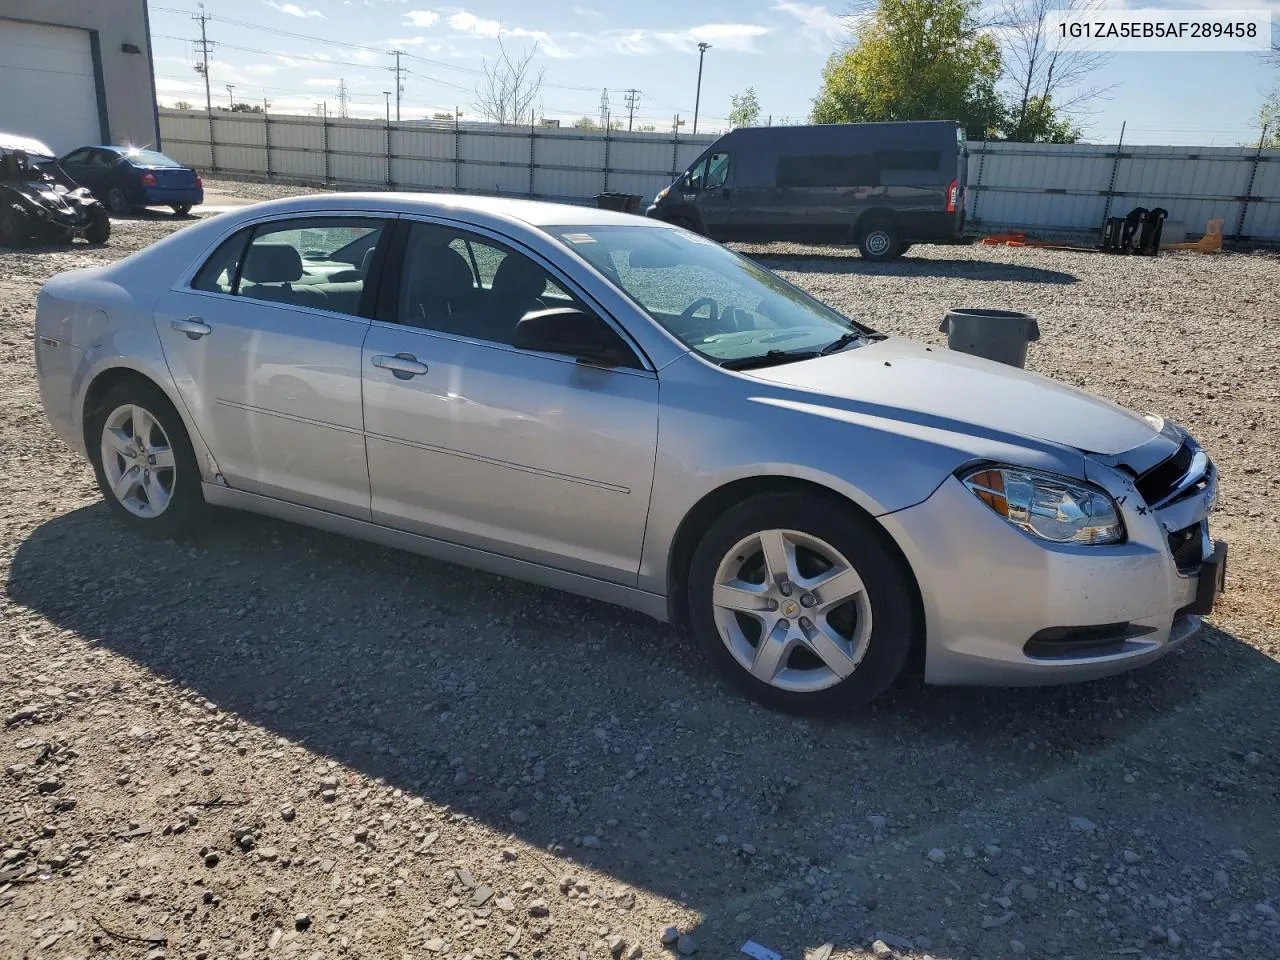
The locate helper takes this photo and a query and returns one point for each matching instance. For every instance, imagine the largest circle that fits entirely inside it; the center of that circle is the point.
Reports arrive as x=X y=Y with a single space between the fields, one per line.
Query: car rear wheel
x=801 y=603
x=99 y=229
x=879 y=241
x=13 y=227
x=144 y=462
x=181 y=209
x=117 y=202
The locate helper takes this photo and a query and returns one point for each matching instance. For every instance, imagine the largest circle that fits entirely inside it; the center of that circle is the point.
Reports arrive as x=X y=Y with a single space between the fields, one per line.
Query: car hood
x=902 y=379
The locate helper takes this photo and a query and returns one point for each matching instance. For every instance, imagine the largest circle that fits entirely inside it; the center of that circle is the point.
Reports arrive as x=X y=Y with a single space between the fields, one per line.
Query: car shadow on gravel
x=491 y=696
x=961 y=269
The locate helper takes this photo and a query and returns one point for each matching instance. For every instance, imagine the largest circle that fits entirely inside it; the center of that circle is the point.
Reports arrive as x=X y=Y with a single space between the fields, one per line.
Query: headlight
x=1048 y=507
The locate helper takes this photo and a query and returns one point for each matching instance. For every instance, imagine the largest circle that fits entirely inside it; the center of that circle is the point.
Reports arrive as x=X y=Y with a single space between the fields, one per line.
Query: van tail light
x=953 y=196
x=199 y=180
x=148 y=179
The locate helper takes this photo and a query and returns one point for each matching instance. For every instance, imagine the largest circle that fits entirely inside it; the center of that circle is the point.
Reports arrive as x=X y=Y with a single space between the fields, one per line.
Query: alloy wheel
x=877 y=243
x=792 y=610
x=138 y=461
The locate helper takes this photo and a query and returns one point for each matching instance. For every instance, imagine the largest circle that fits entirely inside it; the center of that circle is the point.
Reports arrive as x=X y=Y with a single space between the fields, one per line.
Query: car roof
x=534 y=213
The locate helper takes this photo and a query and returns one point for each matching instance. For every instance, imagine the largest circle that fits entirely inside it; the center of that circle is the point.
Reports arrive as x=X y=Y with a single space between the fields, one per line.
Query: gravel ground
x=269 y=741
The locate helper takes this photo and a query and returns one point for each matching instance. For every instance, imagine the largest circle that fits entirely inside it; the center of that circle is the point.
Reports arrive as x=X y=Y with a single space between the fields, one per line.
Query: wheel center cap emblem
x=790 y=608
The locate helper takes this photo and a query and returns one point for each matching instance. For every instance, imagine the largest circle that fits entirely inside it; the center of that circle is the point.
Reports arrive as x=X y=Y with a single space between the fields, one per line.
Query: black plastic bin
x=1000 y=335
x=621 y=202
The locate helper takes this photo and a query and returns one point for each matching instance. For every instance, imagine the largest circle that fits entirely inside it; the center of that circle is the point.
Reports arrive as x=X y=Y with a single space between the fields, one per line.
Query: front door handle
x=403 y=365
x=193 y=327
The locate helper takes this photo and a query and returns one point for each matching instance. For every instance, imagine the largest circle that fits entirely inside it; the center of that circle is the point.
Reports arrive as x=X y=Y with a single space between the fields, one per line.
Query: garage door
x=47 y=88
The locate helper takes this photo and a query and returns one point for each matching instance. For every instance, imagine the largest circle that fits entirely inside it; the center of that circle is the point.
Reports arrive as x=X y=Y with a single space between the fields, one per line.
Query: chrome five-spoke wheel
x=792 y=610
x=138 y=461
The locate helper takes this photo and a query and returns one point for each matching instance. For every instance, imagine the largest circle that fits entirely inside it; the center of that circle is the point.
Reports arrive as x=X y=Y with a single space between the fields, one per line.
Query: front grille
x=1158 y=482
x=1185 y=545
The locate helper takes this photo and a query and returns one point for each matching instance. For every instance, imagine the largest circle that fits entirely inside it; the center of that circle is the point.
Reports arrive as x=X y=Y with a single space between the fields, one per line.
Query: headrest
x=272 y=263
x=442 y=269
x=365 y=261
x=519 y=278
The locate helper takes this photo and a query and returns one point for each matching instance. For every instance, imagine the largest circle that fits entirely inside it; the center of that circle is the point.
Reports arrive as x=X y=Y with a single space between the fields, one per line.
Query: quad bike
x=39 y=203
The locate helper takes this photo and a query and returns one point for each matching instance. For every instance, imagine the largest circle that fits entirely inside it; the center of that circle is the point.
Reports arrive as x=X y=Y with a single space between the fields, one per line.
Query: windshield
x=149 y=158
x=712 y=300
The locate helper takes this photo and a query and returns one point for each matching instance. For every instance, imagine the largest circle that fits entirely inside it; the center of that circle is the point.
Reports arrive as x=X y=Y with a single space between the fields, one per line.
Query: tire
x=117 y=202
x=879 y=241
x=870 y=632
x=181 y=209
x=15 y=228
x=174 y=490
x=99 y=229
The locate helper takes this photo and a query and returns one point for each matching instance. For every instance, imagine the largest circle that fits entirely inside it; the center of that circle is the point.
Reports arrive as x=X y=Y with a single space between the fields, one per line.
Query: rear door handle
x=403 y=365
x=193 y=327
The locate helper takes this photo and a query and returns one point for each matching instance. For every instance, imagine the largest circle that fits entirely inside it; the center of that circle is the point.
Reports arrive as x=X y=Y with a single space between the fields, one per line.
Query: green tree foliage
x=744 y=109
x=915 y=60
x=1038 y=121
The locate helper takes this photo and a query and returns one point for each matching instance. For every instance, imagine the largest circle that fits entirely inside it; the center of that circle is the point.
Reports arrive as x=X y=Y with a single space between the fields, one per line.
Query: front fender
x=710 y=437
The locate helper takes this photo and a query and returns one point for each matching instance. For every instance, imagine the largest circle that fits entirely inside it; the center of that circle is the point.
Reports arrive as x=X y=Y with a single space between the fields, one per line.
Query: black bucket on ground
x=1000 y=335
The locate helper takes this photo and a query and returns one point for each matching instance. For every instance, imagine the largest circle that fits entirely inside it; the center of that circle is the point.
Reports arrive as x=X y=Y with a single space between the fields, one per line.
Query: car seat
x=270 y=270
x=440 y=291
x=517 y=285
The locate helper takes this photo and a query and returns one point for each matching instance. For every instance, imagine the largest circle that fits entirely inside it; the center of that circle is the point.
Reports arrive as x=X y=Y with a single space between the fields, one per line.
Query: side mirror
x=570 y=331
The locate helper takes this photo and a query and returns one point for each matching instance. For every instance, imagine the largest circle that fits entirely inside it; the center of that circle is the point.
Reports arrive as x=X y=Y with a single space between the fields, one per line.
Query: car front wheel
x=117 y=202
x=801 y=603
x=144 y=462
x=181 y=209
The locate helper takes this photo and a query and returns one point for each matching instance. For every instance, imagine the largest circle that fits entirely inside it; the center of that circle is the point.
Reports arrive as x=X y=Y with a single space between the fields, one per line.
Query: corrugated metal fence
x=1042 y=187
x=549 y=163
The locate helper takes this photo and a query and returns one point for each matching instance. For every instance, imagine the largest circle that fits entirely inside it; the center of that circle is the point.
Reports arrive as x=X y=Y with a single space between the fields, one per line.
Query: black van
x=883 y=186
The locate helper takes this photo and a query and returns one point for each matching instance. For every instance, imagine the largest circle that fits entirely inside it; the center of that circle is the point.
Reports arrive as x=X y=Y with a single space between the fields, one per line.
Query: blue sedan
x=127 y=178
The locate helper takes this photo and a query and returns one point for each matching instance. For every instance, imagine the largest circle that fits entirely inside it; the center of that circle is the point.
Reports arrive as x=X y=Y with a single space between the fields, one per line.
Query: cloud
x=293 y=10
x=815 y=18
x=465 y=22
x=421 y=18
x=587 y=13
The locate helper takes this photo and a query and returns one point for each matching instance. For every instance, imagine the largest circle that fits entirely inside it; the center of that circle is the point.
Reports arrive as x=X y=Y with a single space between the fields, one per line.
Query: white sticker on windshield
x=580 y=238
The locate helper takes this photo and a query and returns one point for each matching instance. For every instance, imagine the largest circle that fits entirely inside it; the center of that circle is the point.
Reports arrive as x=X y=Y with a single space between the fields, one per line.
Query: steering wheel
x=697 y=305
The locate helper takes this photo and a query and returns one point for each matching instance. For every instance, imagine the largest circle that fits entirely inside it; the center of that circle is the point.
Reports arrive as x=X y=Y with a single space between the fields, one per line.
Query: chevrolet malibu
x=625 y=410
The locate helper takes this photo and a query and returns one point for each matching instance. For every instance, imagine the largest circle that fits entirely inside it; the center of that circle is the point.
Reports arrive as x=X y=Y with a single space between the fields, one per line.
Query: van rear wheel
x=879 y=241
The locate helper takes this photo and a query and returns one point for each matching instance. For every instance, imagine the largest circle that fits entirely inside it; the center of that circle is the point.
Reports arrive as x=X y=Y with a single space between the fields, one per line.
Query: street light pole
x=697 y=100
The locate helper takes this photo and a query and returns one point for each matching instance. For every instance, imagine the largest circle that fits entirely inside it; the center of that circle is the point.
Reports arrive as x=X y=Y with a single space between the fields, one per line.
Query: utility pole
x=343 y=97
x=604 y=108
x=399 y=72
x=231 y=96
x=632 y=98
x=203 y=67
x=387 y=95
x=697 y=100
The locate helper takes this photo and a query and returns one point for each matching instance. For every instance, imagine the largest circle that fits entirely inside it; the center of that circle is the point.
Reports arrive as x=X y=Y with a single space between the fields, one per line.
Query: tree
x=744 y=109
x=447 y=115
x=586 y=123
x=915 y=60
x=182 y=105
x=511 y=87
x=1048 y=86
x=1268 y=122
x=246 y=108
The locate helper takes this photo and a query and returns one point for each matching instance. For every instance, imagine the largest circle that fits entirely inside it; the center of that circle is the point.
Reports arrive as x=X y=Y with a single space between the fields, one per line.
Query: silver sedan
x=622 y=409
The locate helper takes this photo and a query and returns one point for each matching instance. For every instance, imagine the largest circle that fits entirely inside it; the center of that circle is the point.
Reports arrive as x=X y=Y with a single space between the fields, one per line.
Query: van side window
x=836 y=170
x=717 y=170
